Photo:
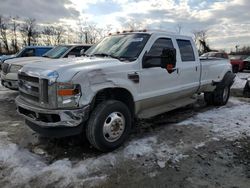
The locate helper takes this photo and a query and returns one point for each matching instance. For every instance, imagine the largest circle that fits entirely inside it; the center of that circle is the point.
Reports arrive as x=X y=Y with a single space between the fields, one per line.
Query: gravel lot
x=195 y=146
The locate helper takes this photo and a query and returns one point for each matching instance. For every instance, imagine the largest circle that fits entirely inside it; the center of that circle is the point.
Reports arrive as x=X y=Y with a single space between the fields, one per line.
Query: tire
x=109 y=125
x=209 y=98
x=235 y=69
x=221 y=95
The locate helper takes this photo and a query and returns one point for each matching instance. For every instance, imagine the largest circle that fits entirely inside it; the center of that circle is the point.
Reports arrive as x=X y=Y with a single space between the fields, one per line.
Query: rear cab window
x=41 y=51
x=76 y=51
x=29 y=52
x=186 y=50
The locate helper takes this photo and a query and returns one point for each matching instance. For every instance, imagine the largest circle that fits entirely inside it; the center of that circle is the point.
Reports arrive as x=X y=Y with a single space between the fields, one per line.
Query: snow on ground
x=226 y=122
x=240 y=80
x=24 y=167
x=6 y=93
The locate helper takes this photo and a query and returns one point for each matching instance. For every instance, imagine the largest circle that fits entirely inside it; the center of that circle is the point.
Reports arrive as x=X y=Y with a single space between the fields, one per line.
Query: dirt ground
x=195 y=147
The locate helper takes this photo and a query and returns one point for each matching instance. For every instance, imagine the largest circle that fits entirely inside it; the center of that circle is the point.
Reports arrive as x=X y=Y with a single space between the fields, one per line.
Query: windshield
x=247 y=59
x=56 y=52
x=19 y=54
x=123 y=47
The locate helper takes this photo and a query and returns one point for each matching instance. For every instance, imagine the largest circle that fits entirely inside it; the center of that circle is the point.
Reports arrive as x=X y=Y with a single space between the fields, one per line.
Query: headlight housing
x=68 y=95
x=15 y=68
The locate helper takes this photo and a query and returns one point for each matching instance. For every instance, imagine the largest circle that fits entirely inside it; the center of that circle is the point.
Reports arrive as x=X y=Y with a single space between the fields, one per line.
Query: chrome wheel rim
x=114 y=126
x=225 y=93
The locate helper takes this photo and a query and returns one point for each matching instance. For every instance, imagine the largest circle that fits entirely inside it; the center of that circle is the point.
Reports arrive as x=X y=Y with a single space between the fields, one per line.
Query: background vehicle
x=125 y=76
x=214 y=55
x=27 y=51
x=64 y=51
x=237 y=62
x=247 y=63
x=12 y=66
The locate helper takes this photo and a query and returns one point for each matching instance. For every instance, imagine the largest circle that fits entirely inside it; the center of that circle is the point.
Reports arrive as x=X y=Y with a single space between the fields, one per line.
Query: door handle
x=134 y=77
x=176 y=69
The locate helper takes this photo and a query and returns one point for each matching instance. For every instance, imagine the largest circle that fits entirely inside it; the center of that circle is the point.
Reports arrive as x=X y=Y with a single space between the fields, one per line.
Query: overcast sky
x=227 y=21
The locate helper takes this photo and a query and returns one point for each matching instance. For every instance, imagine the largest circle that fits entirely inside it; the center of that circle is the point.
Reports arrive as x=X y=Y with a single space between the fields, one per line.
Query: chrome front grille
x=5 y=68
x=33 y=88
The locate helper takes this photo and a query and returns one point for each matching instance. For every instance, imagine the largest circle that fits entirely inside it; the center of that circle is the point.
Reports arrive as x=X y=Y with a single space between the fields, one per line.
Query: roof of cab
x=39 y=47
x=152 y=31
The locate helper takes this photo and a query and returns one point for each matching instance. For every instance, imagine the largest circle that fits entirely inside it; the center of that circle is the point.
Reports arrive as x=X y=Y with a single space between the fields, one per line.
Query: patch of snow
x=200 y=145
x=140 y=147
x=239 y=83
x=161 y=164
x=227 y=122
x=215 y=139
x=164 y=153
x=24 y=167
x=240 y=80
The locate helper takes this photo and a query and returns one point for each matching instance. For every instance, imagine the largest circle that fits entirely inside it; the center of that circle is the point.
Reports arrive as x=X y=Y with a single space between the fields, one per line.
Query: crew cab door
x=189 y=67
x=157 y=86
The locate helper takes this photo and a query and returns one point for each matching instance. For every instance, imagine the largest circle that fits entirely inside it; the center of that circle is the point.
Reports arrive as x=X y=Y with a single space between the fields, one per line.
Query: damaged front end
x=47 y=104
x=53 y=123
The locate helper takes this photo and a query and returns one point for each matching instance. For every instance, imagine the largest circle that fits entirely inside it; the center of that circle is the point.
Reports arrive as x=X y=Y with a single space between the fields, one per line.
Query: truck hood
x=5 y=57
x=25 y=60
x=67 y=68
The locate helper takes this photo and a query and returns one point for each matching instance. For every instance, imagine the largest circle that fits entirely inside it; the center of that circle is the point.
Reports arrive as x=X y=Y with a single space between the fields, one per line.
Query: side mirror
x=82 y=52
x=168 y=59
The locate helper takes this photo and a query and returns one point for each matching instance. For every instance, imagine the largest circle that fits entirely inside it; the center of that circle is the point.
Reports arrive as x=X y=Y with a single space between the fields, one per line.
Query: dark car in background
x=247 y=63
x=238 y=62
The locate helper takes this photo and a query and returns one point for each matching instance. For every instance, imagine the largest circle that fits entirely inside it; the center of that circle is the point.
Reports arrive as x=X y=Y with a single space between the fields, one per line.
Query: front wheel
x=235 y=68
x=109 y=125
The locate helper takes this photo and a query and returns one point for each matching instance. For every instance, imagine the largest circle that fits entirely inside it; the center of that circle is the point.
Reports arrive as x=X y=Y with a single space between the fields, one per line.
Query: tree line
x=16 y=32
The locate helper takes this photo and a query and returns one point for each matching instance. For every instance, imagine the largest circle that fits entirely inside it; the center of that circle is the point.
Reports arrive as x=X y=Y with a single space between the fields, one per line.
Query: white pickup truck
x=125 y=76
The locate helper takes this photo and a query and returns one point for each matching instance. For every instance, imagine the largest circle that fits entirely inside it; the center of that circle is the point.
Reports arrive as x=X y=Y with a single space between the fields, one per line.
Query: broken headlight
x=15 y=68
x=68 y=95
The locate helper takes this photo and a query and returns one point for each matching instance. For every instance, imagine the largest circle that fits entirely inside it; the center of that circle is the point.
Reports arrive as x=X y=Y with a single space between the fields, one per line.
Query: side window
x=186 y=50
x=41 y=51
x=29 y=52
x=75 y=51
x=156 y=50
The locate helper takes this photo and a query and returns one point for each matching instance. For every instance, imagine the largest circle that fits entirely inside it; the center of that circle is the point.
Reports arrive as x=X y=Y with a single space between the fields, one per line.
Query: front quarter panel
x=95 y=80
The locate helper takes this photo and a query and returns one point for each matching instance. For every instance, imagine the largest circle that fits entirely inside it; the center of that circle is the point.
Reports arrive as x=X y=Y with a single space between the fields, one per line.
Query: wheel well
x=119 y=94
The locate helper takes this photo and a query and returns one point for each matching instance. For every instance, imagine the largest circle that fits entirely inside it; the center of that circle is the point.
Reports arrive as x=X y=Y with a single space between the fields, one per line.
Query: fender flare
x=228 y=80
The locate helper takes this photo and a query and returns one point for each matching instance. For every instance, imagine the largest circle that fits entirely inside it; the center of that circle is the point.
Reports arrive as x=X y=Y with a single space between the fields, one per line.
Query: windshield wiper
x=107 y=55
x=115 y=57
x=102 y=54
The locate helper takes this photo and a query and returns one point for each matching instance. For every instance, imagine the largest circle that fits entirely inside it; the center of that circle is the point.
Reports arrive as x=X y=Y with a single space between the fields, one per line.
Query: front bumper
x=51 y=120
x=11 y=84
x=9 y=80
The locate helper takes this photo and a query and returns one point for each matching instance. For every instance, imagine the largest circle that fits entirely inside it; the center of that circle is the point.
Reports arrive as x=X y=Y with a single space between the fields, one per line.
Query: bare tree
x=133 y=25
x=178 y=28
x=14 y=25
x=90 y=33
x=4 y=33
x=53 y=35
x=200 y=38
x=29 y=31
x=59 y=32
x=47 y=33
